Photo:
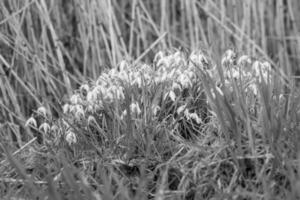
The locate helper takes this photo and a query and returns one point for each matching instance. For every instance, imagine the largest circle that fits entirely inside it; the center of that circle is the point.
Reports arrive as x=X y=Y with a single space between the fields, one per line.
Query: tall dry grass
x=48 y=47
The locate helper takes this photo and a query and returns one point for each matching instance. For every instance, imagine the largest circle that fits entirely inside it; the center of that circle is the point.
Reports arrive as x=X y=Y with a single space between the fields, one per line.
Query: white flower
x=42 y=111
x=235 y=73
x=89 y=108
x=199 y=59
x=98 y=106
x=186 y=113
x=71 y=137
x=91 y=120
x=172 y=95
x=76 y=99
x=164 y=62
x=158 y=56
x=195 y=117
x=179 y=61
x=262 y=70
x=256 y=68
x=146 y=68
x=132 y=76
x=79 y=112
x=266 y=66
x=84 y=89
x=66 y=108
x=123 y=75
x=155 y=109
x=123 y=115
x=228 y=57
x=106 y=78
x=135 y=108
x=243 y=60
x=176 y=86
x=44 y=127
x=185 y=81
x=138 y=81
x=72 y=109
x=253 y=87
x=90 y=97
x=266 y=70
x=117 y=92
x=109 y=96
x=180 y=109
x=113 y=72
x=31 y=122
x=54 y=128
x=161 y=76
x=123 y=65
x=101 y=81
x=282 y=100
x=120 y=94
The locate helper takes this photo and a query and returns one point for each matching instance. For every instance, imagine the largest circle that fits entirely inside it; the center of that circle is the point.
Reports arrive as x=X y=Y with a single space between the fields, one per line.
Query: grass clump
x=182 y=127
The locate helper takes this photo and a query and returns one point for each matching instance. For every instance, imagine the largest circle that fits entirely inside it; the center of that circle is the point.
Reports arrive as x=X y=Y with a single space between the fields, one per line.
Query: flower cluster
x=175 y=71
x=46 y=129
x=245 y=68
x=171 y=86
x=246 y=74
x=166 y=85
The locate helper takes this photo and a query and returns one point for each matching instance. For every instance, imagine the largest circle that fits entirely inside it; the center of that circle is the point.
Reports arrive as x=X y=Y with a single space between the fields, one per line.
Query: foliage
x=169 y=118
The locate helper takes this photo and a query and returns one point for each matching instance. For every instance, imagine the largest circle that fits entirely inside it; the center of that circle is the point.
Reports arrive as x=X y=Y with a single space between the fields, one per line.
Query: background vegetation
x=49 y=48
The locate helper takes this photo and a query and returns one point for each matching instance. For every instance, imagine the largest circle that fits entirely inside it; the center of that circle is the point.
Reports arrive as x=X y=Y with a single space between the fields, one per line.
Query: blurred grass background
x=48 y=47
